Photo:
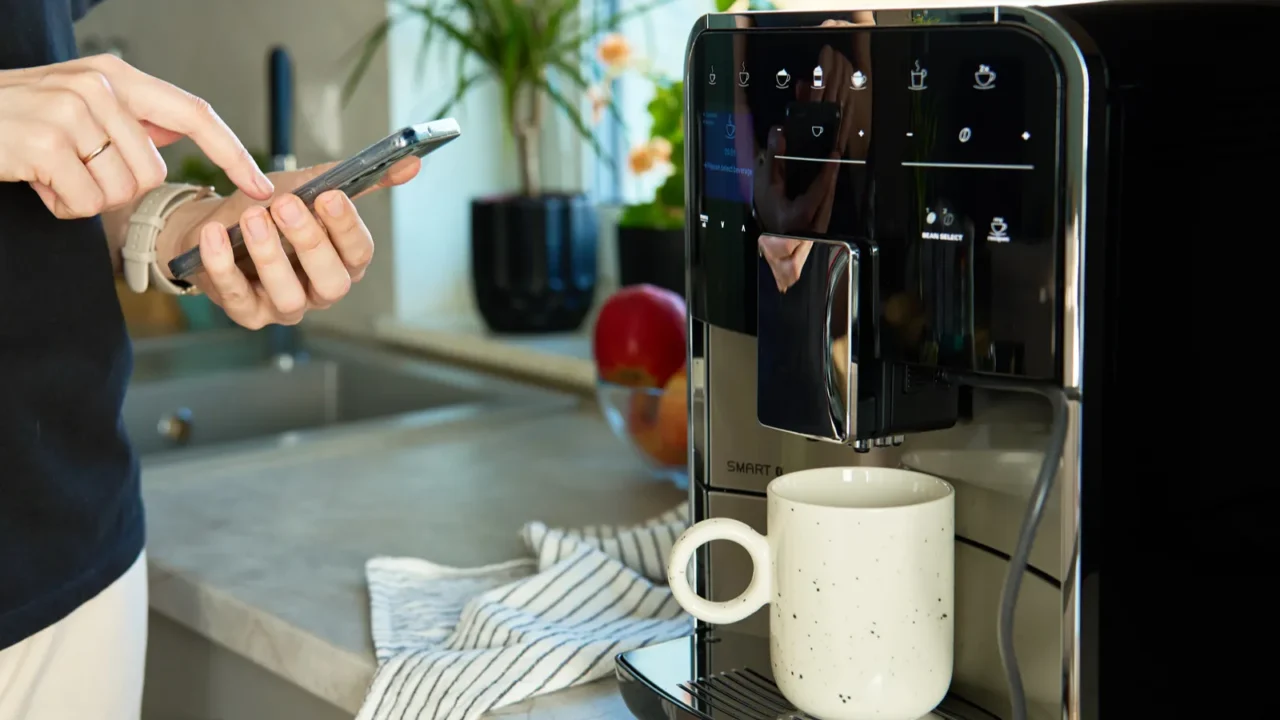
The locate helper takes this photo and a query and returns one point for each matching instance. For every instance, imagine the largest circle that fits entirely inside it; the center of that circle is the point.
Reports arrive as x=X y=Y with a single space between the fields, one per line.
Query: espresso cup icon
x=744 y=77
x=985 y=78
x=917 y=77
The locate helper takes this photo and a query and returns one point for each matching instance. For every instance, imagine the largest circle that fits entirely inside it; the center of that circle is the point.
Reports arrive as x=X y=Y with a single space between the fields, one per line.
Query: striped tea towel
x=454 y=643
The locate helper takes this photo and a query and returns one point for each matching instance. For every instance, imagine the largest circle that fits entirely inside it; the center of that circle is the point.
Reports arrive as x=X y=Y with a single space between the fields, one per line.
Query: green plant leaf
x=369 y=48
x=449 y=28
x=518 y=43
x=464 y=87
x=581 y=82
x=575 y=117
x=671 y=192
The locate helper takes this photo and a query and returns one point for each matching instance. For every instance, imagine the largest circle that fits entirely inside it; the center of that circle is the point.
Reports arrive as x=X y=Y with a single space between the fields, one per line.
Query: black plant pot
x=533 y=262
x=653 y=256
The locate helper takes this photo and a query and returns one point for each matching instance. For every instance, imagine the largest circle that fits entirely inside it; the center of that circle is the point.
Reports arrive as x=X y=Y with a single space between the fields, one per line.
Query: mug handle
x=728 y=611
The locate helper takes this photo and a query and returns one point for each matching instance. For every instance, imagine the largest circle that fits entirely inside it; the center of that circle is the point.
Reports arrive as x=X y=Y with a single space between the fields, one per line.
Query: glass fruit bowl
x=653 y=425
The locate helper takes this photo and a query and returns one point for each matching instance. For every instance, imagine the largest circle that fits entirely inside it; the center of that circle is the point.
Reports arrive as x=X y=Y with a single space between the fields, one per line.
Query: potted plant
x=651 y=234
x=533 y=252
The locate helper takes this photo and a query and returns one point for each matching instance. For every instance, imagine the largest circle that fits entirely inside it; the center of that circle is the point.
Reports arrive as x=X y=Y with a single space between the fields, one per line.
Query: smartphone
x=810 y=131
x=352 y=176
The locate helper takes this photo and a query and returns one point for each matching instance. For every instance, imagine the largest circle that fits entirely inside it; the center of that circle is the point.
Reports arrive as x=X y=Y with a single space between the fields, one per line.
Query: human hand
x=777 y=212
x=786 y=258
x=332 y=248
x=85 y=134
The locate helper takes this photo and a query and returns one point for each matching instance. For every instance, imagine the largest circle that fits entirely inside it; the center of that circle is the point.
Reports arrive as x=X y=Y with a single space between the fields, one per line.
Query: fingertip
x=213 y=243
x=264 y=184
x=256 y=185
x=334 y=203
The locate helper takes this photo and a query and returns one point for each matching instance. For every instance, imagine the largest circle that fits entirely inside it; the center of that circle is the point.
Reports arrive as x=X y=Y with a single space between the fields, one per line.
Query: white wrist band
x=139 y=253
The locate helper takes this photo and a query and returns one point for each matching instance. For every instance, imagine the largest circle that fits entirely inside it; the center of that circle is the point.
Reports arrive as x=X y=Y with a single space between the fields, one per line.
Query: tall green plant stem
x=526 y=129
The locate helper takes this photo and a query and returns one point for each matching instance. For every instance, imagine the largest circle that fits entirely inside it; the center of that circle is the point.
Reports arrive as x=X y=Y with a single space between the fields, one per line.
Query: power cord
x=1026 y=536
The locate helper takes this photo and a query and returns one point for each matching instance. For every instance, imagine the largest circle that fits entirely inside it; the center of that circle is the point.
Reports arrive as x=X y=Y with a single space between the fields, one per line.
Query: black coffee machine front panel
x=927 y=160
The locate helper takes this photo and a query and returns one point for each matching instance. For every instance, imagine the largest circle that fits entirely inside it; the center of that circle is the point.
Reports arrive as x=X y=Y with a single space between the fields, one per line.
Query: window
x=658 y=40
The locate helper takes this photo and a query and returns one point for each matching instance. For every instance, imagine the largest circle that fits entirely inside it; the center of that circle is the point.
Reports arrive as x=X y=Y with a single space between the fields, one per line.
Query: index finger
x=172 y=108
x=778 y=247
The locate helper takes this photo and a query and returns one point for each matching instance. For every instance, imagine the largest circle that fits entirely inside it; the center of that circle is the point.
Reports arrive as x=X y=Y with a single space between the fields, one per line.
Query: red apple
x=640 y=336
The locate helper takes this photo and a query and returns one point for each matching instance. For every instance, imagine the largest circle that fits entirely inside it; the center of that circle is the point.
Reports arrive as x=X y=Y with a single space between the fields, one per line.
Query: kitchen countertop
x=561 y=360
x=264 y=552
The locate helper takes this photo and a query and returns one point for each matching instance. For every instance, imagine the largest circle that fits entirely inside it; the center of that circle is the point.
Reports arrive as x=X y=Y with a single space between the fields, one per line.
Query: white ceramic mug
x=859 y=567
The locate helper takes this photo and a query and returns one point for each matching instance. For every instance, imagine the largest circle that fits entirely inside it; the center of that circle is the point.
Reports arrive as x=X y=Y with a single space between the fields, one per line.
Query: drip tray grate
x=744 y=694
x=748 y=695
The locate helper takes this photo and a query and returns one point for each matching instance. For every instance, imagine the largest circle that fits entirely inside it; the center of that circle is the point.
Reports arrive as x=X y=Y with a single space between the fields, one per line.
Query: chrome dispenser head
x=807 y=349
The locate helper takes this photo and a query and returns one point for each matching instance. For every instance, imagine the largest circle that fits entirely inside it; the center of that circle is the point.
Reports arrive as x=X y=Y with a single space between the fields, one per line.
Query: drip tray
x=719 y=675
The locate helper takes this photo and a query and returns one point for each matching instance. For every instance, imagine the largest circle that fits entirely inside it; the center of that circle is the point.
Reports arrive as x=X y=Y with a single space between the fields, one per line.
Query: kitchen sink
x=210 y=390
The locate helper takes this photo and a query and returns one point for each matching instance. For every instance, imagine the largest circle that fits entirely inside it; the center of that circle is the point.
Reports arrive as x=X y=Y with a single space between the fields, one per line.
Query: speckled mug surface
x=859 y=567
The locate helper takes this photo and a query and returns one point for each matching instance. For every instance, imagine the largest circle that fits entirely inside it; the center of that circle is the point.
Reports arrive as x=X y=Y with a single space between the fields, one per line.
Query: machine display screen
x=939 y=147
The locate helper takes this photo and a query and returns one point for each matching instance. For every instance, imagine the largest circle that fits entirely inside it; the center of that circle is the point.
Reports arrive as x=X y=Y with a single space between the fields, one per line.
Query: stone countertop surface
x=264 y=552
x=560 y=360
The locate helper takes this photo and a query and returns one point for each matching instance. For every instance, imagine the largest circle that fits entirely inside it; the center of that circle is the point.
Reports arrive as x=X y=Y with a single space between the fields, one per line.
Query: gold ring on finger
x=101 y=149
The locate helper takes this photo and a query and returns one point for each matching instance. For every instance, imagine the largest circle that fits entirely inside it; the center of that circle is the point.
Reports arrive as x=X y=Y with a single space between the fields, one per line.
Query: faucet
x=282 y=341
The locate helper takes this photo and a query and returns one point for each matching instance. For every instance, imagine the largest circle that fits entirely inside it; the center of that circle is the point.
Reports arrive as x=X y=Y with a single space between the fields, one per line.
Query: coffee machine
x=907 y=231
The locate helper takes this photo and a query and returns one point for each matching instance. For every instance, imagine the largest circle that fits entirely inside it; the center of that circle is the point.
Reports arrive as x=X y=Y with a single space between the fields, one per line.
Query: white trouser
x=87 y=666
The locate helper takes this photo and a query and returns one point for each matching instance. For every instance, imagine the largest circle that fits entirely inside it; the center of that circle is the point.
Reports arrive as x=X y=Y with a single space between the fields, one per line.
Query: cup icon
x=984 y=79
x=730 y=130
x=743 y=76
x=783 y=79
x=711 y=77
x=816 y=130
x=917 y=77
x=858 y=81
x=999 y=231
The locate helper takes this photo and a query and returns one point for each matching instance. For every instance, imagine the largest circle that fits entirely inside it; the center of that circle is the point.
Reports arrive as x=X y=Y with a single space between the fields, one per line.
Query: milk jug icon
x=917 y=77
x=817 y=78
